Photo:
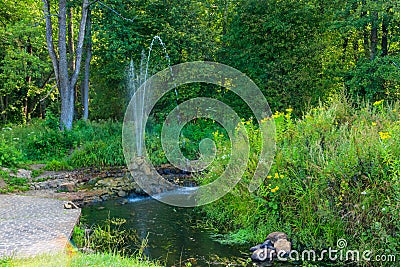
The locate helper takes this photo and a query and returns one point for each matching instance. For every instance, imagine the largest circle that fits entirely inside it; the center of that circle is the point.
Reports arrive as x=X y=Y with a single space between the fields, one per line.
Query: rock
x=2 y=184
x=67 y=187
x=147 y=170
x=70 y=205
x=283 y=247
x=266 y=244
x=121 y=193
x=252 y=249
x=275 y=236
x=263 y=254
x=104 y=197
x=276 y=244
x=21 y=173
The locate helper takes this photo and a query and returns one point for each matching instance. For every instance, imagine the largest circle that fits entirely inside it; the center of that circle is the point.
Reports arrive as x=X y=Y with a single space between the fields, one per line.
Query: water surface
x=174 y=237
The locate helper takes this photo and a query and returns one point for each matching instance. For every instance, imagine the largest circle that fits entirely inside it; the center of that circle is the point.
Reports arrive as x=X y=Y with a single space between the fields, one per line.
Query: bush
x=9 y=155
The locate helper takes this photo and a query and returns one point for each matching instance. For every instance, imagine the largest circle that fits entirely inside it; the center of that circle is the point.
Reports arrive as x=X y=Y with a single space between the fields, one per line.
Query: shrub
x=9 y=155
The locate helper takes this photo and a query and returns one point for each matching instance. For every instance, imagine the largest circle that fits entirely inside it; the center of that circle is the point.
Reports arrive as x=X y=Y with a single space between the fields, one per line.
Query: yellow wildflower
x=281 y=176
x=269 y=176
x=377 y=103
x=273 y=190
x=384 y=135
x=277 y=115
x=276 y=175
x=289 y=110
x=374 y=124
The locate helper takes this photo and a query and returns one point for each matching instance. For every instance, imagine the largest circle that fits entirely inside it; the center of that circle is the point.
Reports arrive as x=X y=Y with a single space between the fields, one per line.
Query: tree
x=66 y=81
x=85 y=83
x=369 y=70
x=24 y=66
x=281 y=46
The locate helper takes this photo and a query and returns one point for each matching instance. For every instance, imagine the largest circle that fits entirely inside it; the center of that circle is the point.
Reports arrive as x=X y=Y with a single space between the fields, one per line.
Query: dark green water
x=173 y=237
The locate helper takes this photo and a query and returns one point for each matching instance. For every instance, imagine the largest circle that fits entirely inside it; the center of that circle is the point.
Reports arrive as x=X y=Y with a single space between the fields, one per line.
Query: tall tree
x=24 y=64
x=85 y=83
x=65 y=81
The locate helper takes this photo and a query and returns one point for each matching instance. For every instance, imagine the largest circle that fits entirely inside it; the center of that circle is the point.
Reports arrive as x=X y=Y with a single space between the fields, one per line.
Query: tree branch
x=48 y=94
x=62 y=45
x=49 y=38
x=81 y=38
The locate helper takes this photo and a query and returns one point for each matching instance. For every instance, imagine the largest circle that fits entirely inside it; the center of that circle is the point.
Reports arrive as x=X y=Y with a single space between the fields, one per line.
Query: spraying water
x=135 y=80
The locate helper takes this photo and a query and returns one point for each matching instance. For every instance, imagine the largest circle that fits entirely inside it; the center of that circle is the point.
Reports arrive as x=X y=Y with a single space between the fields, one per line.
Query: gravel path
x=31 y=225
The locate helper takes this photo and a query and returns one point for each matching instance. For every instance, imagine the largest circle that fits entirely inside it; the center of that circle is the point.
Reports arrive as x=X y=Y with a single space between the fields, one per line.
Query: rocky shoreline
x=91 y=185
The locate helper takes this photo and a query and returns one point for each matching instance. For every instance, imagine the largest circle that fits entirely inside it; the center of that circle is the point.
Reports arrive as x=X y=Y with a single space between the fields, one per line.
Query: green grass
x=87 y=144
x=79 y=259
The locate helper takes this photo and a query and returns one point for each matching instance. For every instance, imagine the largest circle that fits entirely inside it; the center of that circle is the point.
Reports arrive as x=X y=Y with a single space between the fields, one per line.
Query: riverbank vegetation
x=335 y=175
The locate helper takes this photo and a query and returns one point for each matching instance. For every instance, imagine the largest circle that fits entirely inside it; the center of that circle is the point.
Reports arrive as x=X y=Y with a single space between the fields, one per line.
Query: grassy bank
x=79 y=259
x=89 y=144
x=335 y=175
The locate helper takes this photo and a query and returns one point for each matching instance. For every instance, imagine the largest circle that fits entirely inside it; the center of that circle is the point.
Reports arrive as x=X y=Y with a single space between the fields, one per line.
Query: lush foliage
x=298 y=52
x=335 y=175
x=41 y=141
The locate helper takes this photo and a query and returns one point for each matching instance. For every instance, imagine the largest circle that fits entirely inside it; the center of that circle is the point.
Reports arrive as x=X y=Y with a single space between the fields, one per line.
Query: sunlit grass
x=79 y=259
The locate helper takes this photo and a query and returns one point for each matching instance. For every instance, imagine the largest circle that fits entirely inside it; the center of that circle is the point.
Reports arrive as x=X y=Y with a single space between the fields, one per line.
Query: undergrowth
x=335 y=175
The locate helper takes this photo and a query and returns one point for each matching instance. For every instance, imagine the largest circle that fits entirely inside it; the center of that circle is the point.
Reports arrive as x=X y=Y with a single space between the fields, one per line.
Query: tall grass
x=335 y=175
x=77 y=259
x=87 y=144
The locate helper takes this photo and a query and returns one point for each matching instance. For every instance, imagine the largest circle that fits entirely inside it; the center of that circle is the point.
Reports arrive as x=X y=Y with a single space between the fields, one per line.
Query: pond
x=174 y=237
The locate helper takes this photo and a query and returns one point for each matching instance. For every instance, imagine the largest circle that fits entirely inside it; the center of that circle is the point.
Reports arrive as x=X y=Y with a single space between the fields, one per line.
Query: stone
x=275 y=236
x=2 y=184
x=283 y=247
x=67 y=187
x=276 y=244
x=104 y=197
x=266 y=244
x=121 y=193
x=70 y=205
x=263 y=254
x=146 y=170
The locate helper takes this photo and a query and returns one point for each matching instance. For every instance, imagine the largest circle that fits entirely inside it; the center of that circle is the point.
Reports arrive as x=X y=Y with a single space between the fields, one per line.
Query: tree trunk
x=385 y=33
x=67 y=112
x=374 y=35
x=65 y=82
x=85 y=87
x=28 y=80
x=67 y=108
x=71 y=41
x=365 y=33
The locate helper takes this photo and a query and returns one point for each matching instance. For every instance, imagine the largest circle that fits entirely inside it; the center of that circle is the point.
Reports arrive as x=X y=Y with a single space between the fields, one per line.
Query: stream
x=174 y=237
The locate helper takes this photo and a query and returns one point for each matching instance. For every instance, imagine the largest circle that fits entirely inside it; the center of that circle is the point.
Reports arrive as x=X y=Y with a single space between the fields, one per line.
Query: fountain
x=135 y=80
